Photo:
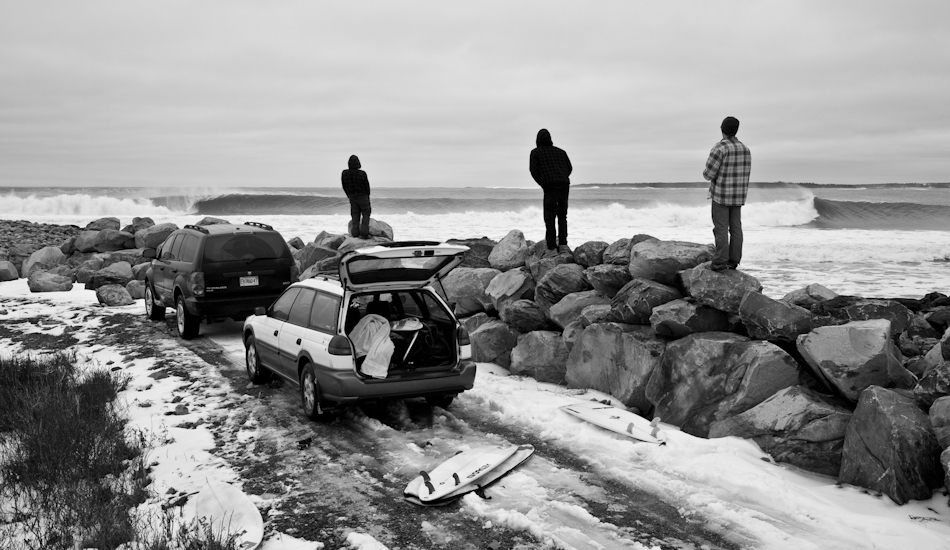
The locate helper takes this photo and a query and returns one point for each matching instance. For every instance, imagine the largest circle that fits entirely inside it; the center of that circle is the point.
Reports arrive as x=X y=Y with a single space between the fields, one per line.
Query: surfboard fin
x=655 y=425
x=427 y=480
x=455 y=476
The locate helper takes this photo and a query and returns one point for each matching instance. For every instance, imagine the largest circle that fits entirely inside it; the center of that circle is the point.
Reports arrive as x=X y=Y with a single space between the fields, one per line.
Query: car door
x=163 y=266
x=324 y=320
x=292 y=334
x=270 y=327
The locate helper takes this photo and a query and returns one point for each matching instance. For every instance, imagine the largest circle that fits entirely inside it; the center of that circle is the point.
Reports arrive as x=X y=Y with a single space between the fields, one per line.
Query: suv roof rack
x=260 y=225
x=198 y=228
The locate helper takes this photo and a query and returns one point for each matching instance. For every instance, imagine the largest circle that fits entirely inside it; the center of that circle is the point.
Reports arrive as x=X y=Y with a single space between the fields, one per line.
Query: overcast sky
x=443 y=93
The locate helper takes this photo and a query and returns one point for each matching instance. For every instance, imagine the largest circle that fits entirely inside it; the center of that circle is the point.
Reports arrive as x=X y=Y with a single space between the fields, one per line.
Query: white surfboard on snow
x=229 y=511
x=618 y=420
x=521 y=454
x=462 y=469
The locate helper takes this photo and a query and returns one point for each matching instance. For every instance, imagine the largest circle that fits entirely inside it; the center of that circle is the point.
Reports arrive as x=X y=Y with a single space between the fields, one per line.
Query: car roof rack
x=409 y=243
x=198 y=228
x=260 y=225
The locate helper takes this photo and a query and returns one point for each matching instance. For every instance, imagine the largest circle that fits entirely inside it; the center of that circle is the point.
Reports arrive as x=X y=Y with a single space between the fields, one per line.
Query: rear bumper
x=229 y=307
x=348 y=387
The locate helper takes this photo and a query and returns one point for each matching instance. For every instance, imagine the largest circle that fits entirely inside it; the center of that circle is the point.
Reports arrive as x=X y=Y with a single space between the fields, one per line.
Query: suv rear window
x=229 y=248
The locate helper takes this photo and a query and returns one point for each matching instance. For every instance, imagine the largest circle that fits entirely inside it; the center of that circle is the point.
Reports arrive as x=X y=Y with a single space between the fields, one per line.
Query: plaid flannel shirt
x=550 y=167
x=727 y=170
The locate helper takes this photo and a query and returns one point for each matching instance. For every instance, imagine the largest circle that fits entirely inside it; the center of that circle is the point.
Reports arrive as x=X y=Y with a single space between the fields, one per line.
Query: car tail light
x=463 y=336
x=339 y=345
x=465 y=344
x=198 y=283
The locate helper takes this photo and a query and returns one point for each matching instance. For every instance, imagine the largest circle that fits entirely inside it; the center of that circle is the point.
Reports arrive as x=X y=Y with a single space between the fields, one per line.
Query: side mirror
x=260 y=310
x=148 y=253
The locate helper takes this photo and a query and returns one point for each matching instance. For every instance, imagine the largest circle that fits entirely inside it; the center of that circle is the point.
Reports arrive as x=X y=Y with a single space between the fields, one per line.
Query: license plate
x=250 y=281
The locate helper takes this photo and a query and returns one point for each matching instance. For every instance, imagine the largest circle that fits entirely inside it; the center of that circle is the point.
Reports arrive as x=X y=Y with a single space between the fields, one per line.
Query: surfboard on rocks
x=618 y=420
x=465 y=472
x=228 y=511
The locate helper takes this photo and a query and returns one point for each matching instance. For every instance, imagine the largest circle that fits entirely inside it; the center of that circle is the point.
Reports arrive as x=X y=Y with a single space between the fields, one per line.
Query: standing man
x=551 y=169
x=356 y=187
x=727 y=170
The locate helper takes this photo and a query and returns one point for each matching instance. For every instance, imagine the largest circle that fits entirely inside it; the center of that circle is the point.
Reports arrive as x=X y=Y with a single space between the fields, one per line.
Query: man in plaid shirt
x=551 y=169
x=727 y=170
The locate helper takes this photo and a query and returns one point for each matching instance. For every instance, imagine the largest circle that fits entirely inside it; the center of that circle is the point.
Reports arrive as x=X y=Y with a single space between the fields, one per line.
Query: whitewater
x=873 y=241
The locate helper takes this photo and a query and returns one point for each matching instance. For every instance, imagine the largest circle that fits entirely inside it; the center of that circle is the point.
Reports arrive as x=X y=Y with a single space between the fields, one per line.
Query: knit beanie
x=730 y=125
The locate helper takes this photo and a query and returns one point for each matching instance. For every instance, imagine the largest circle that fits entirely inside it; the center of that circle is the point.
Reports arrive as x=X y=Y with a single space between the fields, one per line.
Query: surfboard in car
x=521 y=454
x=618 y=420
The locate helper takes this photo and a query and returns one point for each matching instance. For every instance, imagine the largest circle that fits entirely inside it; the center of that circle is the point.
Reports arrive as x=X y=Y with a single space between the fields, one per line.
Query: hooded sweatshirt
x=549 y=165
x=355 y=182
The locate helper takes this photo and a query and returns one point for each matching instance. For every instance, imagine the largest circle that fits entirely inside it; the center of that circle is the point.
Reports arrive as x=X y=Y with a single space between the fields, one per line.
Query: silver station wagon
x=376 y=330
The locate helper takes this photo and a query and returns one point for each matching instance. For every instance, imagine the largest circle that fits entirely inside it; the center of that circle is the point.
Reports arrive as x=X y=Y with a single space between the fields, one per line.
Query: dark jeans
x=727 y=229
x=359 y=206
x=555 y=206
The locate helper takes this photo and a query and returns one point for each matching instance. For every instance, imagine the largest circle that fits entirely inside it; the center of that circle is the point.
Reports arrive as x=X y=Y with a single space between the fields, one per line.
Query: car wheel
x=310 y=393
x=255 y=372
x=440 y=400
x=186 y=322
x=154 y=311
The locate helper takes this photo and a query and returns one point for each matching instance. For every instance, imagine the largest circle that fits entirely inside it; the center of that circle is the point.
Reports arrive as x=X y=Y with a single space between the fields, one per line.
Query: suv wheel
x=441 y=400
x=154 y=311
x=256 y=373
x=310 y=393
x=187 y=323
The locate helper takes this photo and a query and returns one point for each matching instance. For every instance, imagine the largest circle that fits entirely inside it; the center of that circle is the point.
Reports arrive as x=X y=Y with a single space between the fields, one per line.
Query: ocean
x=873 y=241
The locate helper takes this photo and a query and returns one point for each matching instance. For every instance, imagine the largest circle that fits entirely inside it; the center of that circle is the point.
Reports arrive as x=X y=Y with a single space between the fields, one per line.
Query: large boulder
x=296 y=244
x=890 y=447
x=618 y=252
x=104 y=223
x=569 y=308
x=136 y=289
x=312 y=253
x=559 y=282
x=139 y=224
x=211 y=220
x=809 y=296
x=634 y=303
x=492 y=343
x=477 y=253
x=116 y=274
x=844 y=309
x=590 y=253
x=151 y=237
x=711 y=376
x=355 y=243
x=608 y=279
x=795 y=425
x=940 y=421
x=86 y=241
x=330 y=264
x=68 y=246
x=377 y=228
x=539 y=265
x=662 y=260
x=945 y=461
x=114 y=295
x=681 y=318
x=542 y=355
x=467 y=286
x=510 y=252
x=472 y=322
x=8 y=271
x=525 y=316
x=617 y=359
x=934 y=385
x=773 y=320
x=329 y=240
x=722 y=290
x=855 y=356
x=44 y=281
x=112 y=239
x=88 y=268
x=44 y=258
x=509 y=286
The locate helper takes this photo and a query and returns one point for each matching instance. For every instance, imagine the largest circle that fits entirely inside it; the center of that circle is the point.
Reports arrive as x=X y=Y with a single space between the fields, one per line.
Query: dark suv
x=217 y=271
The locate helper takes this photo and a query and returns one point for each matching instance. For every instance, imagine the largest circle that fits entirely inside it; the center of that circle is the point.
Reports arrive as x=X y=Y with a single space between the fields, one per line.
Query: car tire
x=154 y=311
x=255 y=372
x=310 y=393
x=441 y=400
x=187 y=323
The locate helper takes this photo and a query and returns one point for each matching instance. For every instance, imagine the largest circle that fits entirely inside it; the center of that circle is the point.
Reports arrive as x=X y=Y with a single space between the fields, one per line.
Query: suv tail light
x=198 y=283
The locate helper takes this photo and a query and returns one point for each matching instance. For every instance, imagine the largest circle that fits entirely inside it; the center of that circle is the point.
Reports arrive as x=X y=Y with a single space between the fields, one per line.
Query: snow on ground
x=728 y=482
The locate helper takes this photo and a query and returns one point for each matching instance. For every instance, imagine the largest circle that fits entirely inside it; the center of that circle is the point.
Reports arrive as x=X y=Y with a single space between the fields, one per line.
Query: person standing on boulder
x=727 y=169
x=551 y=169
x=356 y=187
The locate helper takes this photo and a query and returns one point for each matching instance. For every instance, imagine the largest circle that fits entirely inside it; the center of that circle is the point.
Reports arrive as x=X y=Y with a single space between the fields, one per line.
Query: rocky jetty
x=853 y=387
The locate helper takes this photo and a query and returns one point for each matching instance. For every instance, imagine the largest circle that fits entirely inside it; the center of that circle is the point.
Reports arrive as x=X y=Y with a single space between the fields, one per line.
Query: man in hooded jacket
x=551 y=169
x=356 y=187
